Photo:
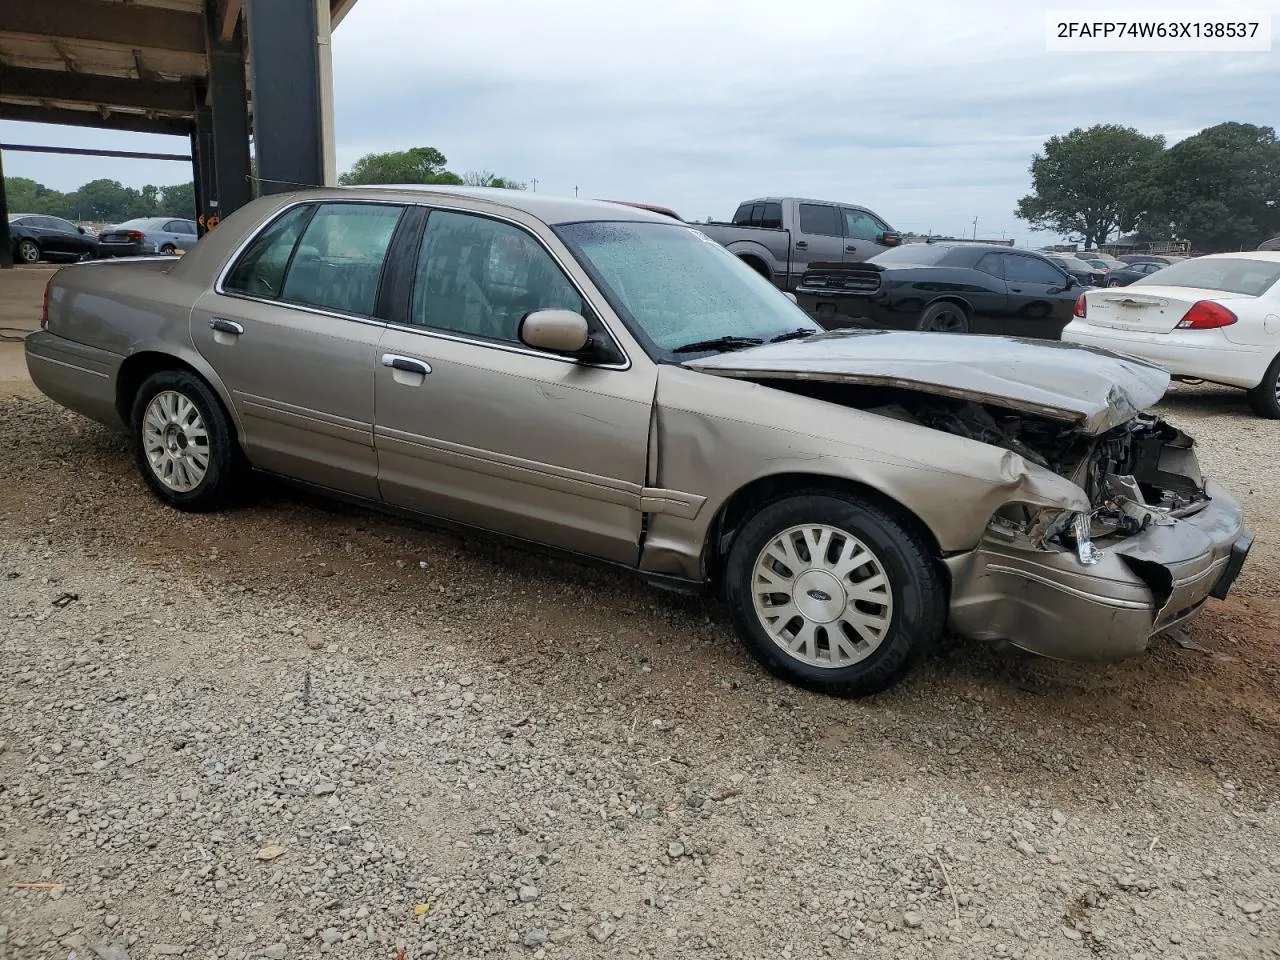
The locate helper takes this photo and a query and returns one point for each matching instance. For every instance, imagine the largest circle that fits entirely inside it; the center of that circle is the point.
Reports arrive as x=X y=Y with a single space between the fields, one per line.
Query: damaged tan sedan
x=601 y=380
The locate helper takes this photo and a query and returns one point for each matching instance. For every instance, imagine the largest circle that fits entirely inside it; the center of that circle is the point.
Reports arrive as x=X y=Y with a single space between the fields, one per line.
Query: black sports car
x=946 y=287
x=37 y=237
x=1134 y=271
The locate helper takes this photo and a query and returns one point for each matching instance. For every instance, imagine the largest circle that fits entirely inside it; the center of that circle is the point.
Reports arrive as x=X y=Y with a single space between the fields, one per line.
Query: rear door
x=293 y=331
x=52 y=238
x=820 y=238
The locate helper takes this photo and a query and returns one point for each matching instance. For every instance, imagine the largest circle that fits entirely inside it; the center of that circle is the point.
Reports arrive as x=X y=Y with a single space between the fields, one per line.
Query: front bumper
x=1046 y=602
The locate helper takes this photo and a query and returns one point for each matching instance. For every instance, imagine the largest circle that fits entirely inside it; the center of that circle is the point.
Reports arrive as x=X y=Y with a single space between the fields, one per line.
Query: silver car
x=608 y=382
x=147 y=235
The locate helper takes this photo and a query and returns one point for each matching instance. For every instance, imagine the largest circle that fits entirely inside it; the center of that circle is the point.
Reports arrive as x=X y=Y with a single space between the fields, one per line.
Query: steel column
x=6 y=241
x=226 y=164
x=288 y=109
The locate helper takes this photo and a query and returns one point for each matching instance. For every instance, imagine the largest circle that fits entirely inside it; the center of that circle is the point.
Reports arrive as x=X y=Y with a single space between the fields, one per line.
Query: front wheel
x=184 y=443
x=833 y=593
x=1265 y=397
x=28 y=252
x=944 y=318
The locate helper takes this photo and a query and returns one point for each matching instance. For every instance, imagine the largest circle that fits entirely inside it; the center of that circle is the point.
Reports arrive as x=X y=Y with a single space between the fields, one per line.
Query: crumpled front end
x=1157 y=541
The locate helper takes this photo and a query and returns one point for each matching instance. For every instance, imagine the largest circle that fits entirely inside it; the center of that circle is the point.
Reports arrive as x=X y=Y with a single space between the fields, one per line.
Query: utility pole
x=975 y=228
x=575 y=191
x=534 y=181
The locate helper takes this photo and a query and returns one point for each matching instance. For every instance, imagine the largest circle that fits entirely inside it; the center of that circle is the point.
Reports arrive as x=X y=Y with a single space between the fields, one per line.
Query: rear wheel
x=1265 y=397
x=168 y=249
x=184 y=442
x=833 y=593
x=944 y=318
x=28 y=251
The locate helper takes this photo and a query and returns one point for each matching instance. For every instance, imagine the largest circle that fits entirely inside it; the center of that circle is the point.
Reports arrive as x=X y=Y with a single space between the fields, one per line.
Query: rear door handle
x=851 y=249
x=225 y=326
x=407 y=364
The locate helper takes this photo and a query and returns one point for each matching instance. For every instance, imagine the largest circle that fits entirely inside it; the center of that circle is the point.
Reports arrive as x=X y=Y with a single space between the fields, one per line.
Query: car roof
x=1272 y=256
x=548 y=208
x=829 y=203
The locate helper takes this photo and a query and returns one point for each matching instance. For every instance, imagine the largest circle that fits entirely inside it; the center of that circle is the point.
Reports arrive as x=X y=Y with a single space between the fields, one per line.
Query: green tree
x=149 y=197
x=1092 y=182
x=29 y=196
x=178 y=200
x=483 y=178
x=1220 y=188
x=106 y=200
x=416 y=165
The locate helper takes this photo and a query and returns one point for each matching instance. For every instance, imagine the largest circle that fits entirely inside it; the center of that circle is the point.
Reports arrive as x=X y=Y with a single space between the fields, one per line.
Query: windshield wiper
x=717 y=343
x=795 y=334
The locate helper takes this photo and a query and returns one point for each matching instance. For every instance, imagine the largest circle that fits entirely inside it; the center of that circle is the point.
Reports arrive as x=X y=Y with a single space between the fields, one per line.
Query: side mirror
x=889 y=239
x=791 y=296
x=1071 y=282
x=81 y=229
x=558 y=331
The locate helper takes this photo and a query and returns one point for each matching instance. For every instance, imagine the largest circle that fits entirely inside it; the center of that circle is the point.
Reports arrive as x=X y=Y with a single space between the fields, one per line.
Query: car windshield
x=1228 y=274
x=676 y=287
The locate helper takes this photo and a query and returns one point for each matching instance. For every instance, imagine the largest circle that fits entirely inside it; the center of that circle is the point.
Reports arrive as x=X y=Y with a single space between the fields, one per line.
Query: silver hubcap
x=175 y=441
x=822 y=596
x=29 y=252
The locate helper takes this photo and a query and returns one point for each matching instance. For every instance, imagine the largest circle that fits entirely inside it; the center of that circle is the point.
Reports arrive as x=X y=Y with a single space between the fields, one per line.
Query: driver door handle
x=407 y=364
x=851 y=249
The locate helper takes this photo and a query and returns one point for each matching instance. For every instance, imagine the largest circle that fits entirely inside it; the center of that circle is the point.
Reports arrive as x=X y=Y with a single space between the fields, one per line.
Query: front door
x=862 y=233
x=294 y=335
x=474 y=427
x=1041 y=297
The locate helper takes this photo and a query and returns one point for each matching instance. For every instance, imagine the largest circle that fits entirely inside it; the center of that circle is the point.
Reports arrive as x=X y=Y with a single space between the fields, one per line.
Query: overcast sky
x=926 y=111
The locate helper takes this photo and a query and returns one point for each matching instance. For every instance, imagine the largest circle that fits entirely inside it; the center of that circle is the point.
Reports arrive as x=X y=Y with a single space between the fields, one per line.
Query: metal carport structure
x=211 y=70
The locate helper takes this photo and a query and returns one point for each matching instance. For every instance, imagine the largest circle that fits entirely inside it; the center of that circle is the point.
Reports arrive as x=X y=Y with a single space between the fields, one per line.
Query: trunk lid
x=1094 y=389
x=1148 y=309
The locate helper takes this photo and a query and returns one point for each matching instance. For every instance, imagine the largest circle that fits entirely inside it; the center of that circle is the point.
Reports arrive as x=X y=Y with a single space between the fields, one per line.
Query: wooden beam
x=228 y=19
x=103 y=21
x=94 y=89
x=144 y=72
x=68 y=60
x=102 y=119
x=86 y=152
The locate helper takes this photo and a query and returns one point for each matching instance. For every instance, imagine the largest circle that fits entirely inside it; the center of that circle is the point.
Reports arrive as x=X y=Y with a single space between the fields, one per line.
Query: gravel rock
x=419 y=810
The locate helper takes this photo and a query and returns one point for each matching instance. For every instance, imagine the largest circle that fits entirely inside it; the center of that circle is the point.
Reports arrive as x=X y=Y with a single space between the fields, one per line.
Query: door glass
x=860 y=225
x=260 y=269
x=772 y=216
x=992 y=263
x=481 y=277
x=819 y=219
x=338 y=263
x=1029 y=270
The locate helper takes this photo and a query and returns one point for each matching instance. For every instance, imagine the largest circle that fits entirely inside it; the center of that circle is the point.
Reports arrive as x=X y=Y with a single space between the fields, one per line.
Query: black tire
x=222 y=482
x=87 y=256
x=944 y=317
x=168 y=249
x=919 y=604
x=1114 y=283
x=28 y=251
x=1265 y=397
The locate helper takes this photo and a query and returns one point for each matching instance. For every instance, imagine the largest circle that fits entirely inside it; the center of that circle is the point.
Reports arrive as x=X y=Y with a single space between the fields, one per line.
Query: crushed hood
x=1093 y=388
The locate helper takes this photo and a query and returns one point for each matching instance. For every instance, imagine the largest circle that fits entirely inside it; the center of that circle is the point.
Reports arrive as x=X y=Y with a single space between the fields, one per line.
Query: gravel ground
x=300 y=730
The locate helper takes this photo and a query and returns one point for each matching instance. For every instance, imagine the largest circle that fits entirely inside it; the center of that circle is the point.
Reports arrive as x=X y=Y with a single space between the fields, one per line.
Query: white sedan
x=1214 y=318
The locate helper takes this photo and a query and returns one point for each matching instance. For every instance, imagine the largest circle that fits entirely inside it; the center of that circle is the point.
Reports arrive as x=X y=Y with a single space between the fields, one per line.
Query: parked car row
x=37 y=237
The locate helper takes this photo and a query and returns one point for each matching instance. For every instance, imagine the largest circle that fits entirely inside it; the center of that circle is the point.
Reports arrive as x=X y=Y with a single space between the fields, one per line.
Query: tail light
x=1082 y=307
x=1206 y=315
x=44 y=307
x=134 y=234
